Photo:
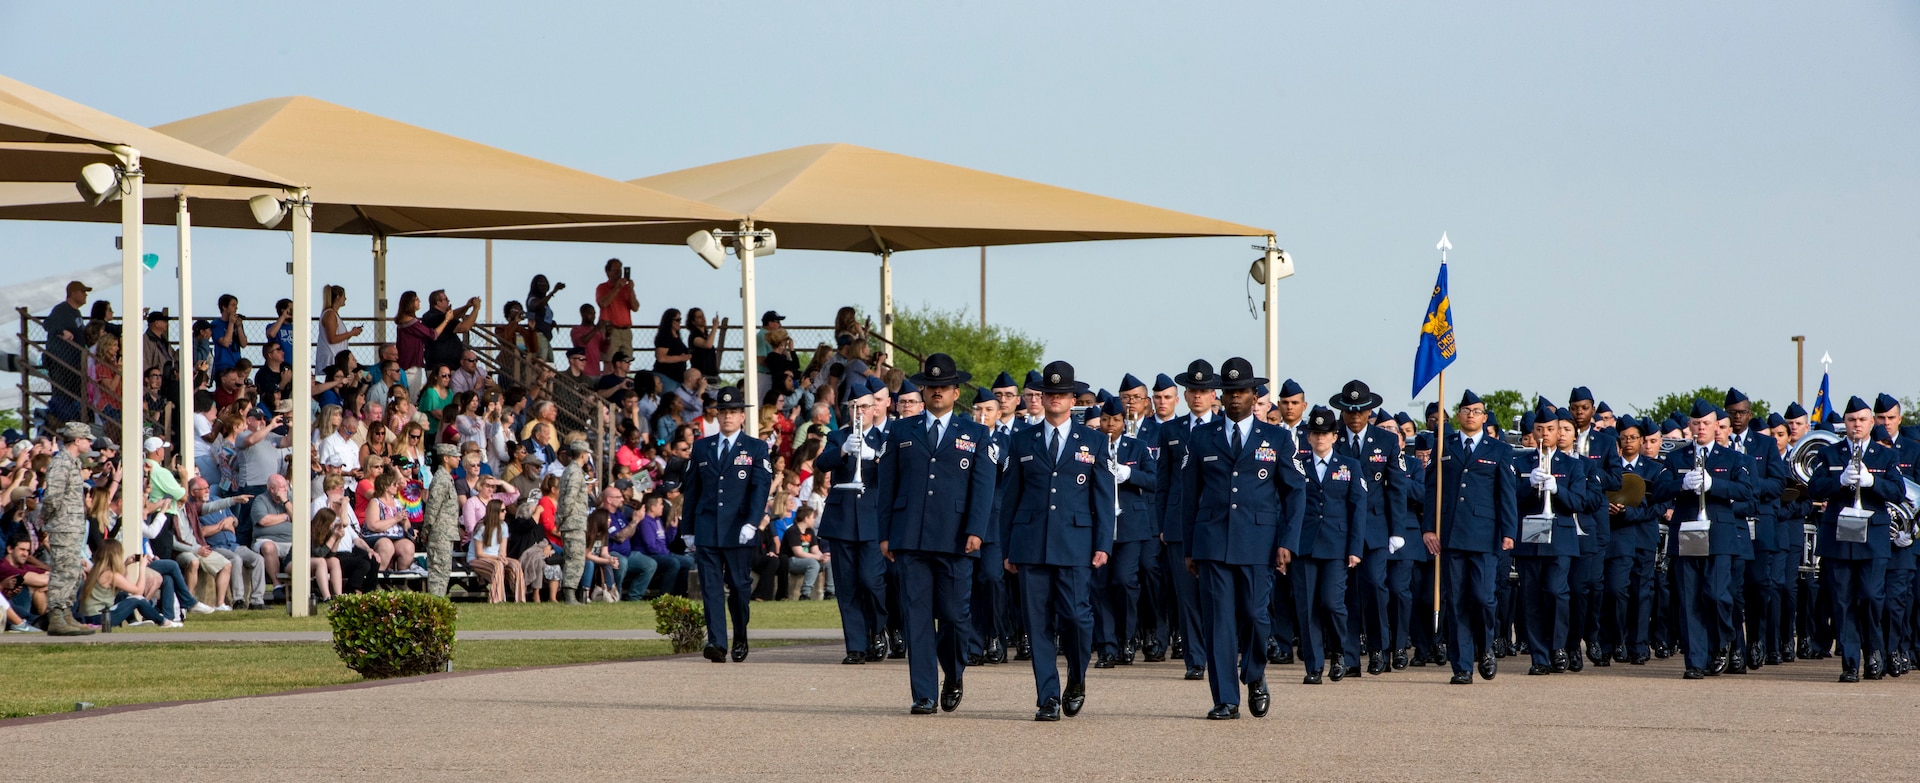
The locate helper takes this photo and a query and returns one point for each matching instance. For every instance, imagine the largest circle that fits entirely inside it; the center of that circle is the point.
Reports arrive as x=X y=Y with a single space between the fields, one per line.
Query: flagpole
x=1439 y=490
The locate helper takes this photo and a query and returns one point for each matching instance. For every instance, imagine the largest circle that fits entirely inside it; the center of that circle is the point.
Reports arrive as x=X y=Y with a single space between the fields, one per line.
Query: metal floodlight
x=99 y=183
x=268 y=211
x=764 y=246
x=709 y=248
x=1283 y=270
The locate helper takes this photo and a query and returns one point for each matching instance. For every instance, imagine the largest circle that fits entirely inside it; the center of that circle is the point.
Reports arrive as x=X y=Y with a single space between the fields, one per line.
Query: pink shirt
x=474 y=511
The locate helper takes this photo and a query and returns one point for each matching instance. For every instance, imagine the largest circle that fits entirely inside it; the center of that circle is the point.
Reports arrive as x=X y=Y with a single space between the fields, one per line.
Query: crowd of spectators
x=223 y=539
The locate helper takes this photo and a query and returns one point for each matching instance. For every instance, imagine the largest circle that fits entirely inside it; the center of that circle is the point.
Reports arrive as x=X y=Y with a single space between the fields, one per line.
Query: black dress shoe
x=950 y=695
x=1399 y=660
x=739 y=650
x=1154 y=651
x=1461 y=678
x=1756 y=658
x=1576 y=662
x=1258 y=699
x=1105 y=661
x=1353 y=671
x=1049 y=710
x=1224 y=712
x=896 y=645
x=1285 y=658
x=1661 y=652
x=1023 y=653
x=1718 y=665
x=923 y=707
x=996 y=652
x=1439 y=655
x=1273 y=648
x=1377 y=664
x=1693 y=674
x=1312 y=678
x=1336 y=672
x=1178 y=647
x=854 y=657
x=1775 y=659
x=1537 y=669
x=1074 y=697
x=1595 y=654
x=976 y=659
x=1196 y=673
x=1500 y=648
x=1603 y=662
x=715 y=653
x=1418 y=658
x=876 y=655
x=1849 y=674
x=878 y=642
x=1874 y=670
x=1488 y=667
x=1560 y=661
x=1620 y=655
x=1638 y=659
x=1126 y=655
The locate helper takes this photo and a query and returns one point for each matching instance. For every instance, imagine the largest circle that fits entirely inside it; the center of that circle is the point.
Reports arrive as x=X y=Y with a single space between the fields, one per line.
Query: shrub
x=682 y=621
x=393 y=633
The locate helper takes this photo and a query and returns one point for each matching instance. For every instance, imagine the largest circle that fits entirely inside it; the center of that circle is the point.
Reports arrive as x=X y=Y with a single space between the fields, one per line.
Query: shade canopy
x=41 y=138
x=850 y=198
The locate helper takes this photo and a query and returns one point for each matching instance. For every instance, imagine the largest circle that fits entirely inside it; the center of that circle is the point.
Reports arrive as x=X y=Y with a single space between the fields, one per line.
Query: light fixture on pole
x=268 y=211
x=100 y=183
x=746 y=243
x=712 y=246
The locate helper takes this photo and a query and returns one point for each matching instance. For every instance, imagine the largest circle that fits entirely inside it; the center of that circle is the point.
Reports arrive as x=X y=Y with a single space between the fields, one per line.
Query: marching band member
x=1705 y=482
x=1900 y=566
x=1550 y=537
x=850 y=522
x=1586 y=576
x=1857 y=479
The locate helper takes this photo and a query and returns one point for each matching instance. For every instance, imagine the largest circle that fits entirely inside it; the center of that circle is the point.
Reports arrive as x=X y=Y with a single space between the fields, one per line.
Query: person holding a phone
x=617 y=302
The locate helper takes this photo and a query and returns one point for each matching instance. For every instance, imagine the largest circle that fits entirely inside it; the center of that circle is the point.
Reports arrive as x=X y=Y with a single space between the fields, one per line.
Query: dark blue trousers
x=1400 y=609
x=1586 y=588
x=989 y=600
x=1320 y=601
x=1234 y=608
x=1859 y=591
x=1701 y=588
x=1186 y=598
x=1468 y=578
x=860 y=587
x=1156 y=596
x=1116 y=598
x=726 y=585
x=1285 y=619
x=1545 y=597
x=935 y=591
x=1763 y=599
x=1057 y=597
x=1367 y=597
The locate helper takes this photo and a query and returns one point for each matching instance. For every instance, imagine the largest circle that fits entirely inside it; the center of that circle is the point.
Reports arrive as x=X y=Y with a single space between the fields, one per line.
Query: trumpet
x=1700 y=465
x=1858 y=462
x=856 y=434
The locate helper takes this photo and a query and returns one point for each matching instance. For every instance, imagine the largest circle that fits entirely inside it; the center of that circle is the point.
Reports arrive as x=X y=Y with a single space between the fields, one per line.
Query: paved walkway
x=795 y=711
x=147 y=637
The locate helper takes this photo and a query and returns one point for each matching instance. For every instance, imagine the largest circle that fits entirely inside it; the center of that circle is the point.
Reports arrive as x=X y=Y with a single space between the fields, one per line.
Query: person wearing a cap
x=575 y=503
x=994 y=615
x=1008 y=394
x=1557 y=489
x=1058 y=511
x=728 y=479
x=850 y=523
x=1636 y=532
x=932 y=528
x=1706 y=480
x=617 y=301
x=1187 y=632
x=1030 y=399
x=1158 y=621
x=1901 y=580
x=1408 y=568
x=1476 y=487
x=1332 y=543
x=1586 y=575
x=769 y=334
x=1759 y=585
x=63 y=514
x=1242 y=497
x=440 y=515
x=1116 y=587
x=1386 y=526
x=1855 y=543
x=66 y=327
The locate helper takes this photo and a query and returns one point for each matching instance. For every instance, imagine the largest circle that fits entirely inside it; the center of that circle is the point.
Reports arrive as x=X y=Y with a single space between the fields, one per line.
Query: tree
x=983 y=352
x=1504 y=407
x=1682 y=403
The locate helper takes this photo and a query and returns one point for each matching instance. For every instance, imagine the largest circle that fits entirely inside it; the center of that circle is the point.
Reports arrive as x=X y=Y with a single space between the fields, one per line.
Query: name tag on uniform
x=1027 y=458
x=964 y=445
x=1208 y=459
x=1265 y=455
x=744 y=459
x=1174 y=442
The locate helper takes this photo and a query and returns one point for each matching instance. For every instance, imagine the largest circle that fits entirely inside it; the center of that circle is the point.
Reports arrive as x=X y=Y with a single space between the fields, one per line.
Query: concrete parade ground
x=796 y=713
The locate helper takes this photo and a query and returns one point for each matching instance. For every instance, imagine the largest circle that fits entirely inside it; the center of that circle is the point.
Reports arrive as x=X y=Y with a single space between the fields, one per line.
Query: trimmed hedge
x=393 y=633
x=682 y=621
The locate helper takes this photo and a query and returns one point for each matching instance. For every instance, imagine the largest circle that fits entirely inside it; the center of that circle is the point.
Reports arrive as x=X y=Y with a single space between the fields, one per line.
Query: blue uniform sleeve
x=1293 y=496
x=1738 y=483
x=1429 y=482
x=693 y=486
x=1169 y=472
x=1506 y=500
x=980 y=476
x=1010 y=492
x=759 y=483
x=1102 y=493
x=888 y=476
x=832 y=455
x=1189 y=469
x=1146 y=476
x=1588 y=498
x=1396 y=488
x=1887 y=486
x=1358 y=517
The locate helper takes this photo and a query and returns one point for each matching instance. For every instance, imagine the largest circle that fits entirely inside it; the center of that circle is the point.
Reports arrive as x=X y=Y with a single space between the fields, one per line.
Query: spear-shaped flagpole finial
x=1443 y=247
x=1826 y=359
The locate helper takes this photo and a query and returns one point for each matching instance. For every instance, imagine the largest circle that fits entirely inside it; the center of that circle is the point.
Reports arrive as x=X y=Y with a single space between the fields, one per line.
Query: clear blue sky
x=1641 y=197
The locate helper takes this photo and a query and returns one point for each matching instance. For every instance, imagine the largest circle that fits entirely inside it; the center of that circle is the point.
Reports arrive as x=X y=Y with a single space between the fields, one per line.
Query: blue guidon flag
x=1823 y=404
x=1437 y=349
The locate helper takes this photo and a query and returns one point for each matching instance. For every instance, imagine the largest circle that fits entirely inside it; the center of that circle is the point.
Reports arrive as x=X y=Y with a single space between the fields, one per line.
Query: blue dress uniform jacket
x=1825 y=485
x=1477 y=508
x=934 y=495
x=1336 y=512
x=1175 y=436
x=724 y=492
x=849 y=515
x=1575 y=494
x=1058 y=512
x=1771 y=477
x=1380 y=460
x=1416 y=506
x=1238 y=509
x=1732 y=486
x=1639 y=526
x=1136 y=519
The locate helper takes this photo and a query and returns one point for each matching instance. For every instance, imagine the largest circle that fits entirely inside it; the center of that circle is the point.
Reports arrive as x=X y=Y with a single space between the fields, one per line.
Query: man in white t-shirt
x=339 y=449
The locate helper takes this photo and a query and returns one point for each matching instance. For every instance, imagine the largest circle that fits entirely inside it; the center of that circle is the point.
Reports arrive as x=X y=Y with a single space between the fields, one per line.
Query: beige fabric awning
x=844 y=197
x=43 y=148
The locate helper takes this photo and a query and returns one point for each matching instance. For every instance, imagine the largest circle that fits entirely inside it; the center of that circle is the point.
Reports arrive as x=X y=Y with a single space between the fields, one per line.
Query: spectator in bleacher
x=273 y=381
x=156 y=403
x=470 y=376
x=667 y=420
x=273 y=527
x=23 y=580
x=670 y=354
x=439 y=391
x=158 y=353
x=281 y=330
x=651 y=540
x=487 y=556
x=229 y=386
x=386 y=527
x=519 y=343
x=388 y=382
x=540 y=316
x=64 y=332
x=378 y=443
x=702 y=344
x=631 y=572
x=617 y=302
x=351 y=553
x=804 y=558
x=692 y=393
x=449 y=325
x=333 y=338
x=618 y=378
x=411 y=337
x=111 y=597
x=326 y=532
x=600 y=579
x=229 y=334
x=486 y=490
x=591 y=336
x=338 y=448
x=217 y=526
x=103 y=379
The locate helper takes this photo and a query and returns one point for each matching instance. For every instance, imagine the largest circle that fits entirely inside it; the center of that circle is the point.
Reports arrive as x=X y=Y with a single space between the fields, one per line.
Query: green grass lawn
x=522 y=617
x=48 y=678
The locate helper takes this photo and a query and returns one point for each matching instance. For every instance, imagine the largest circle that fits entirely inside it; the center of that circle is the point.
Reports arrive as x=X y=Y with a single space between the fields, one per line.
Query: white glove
x=1864 y=479
x=1691 y=480
x=1849 y=477
x=1551 y=484
x=747 y=533
x=1706 y=481
x=1394 y=543
x=1122 y=473
x=1902 y=538
x=856 y=448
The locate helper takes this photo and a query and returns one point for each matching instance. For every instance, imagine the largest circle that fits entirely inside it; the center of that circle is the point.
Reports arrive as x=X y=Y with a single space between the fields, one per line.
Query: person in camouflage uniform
x=575 y=488
x=440 y=512
x=64 y=511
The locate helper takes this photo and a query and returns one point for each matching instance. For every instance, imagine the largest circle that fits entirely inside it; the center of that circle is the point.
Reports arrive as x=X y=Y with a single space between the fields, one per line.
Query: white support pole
x=301 y=428
x=379 y=288
x=488 y=316
x=133 y=495
x=886 y=301
x=750 y=377
x=1273 y=309
x=183 y=223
